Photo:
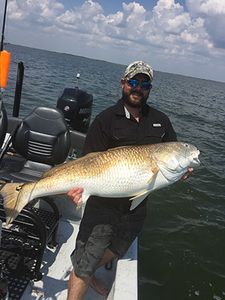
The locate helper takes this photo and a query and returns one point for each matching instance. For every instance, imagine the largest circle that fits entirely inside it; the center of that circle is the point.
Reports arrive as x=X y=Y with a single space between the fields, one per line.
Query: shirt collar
x=122 y=111
x=127 y=114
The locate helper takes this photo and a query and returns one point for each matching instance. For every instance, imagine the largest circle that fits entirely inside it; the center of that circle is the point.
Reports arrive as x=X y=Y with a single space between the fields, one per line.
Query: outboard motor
x=76 y=106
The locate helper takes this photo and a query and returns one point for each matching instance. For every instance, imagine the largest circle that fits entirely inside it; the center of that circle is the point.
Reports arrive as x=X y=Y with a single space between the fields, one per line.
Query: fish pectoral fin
x=136 y=200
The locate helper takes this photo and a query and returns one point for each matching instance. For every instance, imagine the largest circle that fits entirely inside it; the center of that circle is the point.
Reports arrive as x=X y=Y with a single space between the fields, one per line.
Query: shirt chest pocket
x=155 y=135
x=124 y=136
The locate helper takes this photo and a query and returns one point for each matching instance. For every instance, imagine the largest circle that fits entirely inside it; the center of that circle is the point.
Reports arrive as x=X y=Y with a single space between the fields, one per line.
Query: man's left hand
x=190 y=170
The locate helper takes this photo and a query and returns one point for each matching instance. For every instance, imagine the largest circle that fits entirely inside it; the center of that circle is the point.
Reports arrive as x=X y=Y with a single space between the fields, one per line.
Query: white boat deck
x=57 y=267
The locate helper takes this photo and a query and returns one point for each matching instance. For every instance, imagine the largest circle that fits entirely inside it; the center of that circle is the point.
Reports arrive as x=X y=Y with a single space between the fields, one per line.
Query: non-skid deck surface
x=57 y=267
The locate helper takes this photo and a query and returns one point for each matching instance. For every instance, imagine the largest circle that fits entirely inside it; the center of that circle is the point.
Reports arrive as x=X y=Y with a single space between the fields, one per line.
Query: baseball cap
x=138 y=67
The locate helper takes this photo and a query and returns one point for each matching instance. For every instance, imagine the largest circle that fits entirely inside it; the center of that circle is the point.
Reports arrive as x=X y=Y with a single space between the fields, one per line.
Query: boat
x=35 y=249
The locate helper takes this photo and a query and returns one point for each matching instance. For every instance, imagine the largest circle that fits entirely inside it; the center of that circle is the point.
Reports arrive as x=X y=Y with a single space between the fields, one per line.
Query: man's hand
x=190 y=170
x=75 y=195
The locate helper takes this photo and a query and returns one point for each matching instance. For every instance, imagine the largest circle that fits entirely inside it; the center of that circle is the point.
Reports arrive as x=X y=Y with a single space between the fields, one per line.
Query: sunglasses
x=145 y=84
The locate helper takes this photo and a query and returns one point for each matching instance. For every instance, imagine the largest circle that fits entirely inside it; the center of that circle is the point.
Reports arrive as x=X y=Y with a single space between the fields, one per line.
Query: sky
x=184 y=37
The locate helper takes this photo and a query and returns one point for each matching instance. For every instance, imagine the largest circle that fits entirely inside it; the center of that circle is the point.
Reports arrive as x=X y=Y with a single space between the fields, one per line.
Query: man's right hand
x=75 y=195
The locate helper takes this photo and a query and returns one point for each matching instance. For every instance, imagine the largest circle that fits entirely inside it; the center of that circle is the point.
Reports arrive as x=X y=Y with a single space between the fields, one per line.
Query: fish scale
x=129 y=171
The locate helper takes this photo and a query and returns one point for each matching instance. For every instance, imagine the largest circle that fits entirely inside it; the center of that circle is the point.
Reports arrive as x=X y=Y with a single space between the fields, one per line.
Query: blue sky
x=115 y=5
x=185 y=37
x=110 y=6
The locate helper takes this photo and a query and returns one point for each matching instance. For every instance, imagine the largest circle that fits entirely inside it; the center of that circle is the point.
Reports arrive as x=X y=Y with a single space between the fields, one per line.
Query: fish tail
x=15 y=197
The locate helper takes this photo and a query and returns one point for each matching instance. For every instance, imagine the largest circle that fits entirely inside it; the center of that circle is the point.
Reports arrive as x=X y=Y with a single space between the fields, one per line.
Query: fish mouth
x=195 y=159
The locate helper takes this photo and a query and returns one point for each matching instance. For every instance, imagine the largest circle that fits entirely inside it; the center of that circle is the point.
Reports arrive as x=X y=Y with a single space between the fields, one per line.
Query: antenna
x=78 y=77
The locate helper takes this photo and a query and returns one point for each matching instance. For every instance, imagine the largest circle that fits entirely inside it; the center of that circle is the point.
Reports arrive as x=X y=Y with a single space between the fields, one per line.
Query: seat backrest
x=43 y=136
x=3 y=123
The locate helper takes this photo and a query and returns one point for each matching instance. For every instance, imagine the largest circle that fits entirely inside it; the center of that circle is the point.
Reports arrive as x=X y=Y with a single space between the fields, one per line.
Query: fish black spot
x=18 y=188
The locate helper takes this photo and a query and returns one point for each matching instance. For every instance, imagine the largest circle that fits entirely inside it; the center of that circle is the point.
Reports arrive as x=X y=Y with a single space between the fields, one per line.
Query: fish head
x=176 y=158
x=191 y=155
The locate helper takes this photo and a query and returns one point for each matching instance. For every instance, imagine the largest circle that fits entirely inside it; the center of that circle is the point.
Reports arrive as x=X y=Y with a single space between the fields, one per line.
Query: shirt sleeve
x=97 y=138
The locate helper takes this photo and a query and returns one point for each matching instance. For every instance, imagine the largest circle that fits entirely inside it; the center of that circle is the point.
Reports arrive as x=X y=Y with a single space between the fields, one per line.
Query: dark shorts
x=105 y=224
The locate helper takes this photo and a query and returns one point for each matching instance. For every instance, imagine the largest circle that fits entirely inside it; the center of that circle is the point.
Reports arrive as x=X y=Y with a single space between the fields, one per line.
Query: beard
x=128 y=100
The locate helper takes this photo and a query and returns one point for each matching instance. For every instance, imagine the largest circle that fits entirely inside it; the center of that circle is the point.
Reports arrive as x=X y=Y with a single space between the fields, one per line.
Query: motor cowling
x=76 y=106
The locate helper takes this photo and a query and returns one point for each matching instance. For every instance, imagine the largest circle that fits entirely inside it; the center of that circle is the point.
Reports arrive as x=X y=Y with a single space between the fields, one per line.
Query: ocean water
x=182 y=245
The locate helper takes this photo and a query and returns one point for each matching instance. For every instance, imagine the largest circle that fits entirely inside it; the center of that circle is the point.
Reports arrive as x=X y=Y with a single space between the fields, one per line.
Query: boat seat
x=40 y=141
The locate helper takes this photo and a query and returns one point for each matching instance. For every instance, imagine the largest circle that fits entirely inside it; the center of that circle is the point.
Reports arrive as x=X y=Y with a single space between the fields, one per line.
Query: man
x=108 y=226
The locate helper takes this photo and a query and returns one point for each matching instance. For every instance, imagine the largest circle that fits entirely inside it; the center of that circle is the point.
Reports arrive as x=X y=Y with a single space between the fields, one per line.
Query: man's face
x=135 y=96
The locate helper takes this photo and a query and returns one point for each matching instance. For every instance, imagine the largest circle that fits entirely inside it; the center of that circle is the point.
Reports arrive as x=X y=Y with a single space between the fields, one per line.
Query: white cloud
x=169 y=29
x=168 y=24
x=213 y=14
x=32 y=10
x=207 y=7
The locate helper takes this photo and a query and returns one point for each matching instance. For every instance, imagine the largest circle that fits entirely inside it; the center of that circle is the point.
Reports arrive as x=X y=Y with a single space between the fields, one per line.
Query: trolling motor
x=76 y=105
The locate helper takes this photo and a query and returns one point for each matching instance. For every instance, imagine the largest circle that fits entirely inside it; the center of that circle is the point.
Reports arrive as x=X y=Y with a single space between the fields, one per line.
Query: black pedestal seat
x=41 y=141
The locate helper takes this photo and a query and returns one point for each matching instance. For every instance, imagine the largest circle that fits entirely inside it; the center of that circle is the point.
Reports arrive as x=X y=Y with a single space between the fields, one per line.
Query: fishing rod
x=4 y=56
x=3 y=26
x=4 y=68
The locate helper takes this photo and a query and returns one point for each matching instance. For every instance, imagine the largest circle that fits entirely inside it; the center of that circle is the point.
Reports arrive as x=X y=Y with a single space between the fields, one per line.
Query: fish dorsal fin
x=48 y=173
x=52 y=171
x=138 y=199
